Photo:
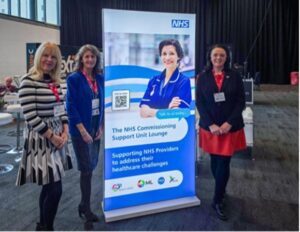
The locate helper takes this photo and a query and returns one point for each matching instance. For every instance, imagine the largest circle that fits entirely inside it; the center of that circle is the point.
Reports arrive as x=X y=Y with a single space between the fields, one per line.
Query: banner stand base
x=157 y=207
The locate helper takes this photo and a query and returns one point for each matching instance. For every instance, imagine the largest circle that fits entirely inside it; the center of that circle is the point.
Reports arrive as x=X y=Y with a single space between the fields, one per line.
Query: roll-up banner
x=149 y=71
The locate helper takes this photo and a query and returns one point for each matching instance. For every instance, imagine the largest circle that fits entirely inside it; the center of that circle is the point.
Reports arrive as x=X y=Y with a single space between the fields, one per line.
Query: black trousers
x=220 y=167
x=86 y=188
x=49 y=200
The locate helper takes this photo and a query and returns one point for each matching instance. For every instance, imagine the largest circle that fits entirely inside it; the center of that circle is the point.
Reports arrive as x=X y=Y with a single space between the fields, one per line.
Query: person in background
x=85 y=104
x=170 y=89
x=45 y=155
x=220 y=100
x=8 y=87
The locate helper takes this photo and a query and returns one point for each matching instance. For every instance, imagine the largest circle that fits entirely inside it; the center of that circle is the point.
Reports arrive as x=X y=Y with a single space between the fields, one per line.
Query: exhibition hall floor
x=262 y=192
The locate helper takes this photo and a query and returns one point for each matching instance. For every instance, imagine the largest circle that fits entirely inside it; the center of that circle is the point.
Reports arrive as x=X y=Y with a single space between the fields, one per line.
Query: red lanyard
x=219 y=78
x=54 y=91
x=92 y=84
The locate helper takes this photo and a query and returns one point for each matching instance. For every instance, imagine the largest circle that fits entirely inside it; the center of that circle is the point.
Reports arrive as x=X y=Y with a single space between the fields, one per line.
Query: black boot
x=88 y=226
x=86 y=213
x=88 y=216
x=219 y=211
x=84 y=208
x=40 y=227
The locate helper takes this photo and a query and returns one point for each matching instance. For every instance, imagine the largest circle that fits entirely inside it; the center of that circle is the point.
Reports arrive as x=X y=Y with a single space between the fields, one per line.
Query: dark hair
x=78 y=60
x=209 y=65
x=173 y=42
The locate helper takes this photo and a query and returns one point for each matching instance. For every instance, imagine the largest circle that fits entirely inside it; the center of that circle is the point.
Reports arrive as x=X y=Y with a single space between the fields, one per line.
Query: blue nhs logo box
x=180 y=23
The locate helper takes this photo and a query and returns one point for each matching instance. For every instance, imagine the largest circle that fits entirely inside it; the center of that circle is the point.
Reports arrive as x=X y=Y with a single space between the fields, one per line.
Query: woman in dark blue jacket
x=220 y=100
x=85 y=111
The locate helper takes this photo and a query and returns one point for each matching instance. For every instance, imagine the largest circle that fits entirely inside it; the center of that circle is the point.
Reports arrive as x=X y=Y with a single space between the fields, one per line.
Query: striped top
x=37 y=102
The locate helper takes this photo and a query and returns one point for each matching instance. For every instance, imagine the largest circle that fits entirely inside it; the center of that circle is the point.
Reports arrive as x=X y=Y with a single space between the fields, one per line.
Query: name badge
x=95 y=106
x=95 y=112
x=59 y=109
x=219 y=97
x=95 y=103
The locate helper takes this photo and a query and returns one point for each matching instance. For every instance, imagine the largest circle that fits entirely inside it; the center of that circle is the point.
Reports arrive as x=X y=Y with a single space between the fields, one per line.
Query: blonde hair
x=36 y=71
x=78 y=60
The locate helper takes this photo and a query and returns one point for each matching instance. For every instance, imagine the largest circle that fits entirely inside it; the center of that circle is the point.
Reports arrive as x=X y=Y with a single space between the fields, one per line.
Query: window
x=46 y=11
x=52 y=11
x=40 y=9
x=15 y=8
x=25 y=9
x=4 y=6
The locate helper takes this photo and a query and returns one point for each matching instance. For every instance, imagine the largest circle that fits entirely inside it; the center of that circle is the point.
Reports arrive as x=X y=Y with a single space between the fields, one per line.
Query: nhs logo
x=180 y=23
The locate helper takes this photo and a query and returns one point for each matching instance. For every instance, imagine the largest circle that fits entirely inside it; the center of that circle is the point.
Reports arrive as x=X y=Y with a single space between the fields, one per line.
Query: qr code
x=120 y=100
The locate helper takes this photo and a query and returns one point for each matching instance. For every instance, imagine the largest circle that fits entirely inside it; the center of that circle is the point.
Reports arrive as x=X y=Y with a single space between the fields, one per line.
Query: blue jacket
x=79 y=102
x=158 y=96
x=230 y=110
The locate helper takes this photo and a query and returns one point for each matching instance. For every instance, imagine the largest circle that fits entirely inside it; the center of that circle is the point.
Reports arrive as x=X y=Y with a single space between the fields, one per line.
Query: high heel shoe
x=87 y=214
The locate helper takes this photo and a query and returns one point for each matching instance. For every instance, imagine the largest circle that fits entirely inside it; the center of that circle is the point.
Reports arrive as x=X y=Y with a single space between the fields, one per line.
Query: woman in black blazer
x=220 y=100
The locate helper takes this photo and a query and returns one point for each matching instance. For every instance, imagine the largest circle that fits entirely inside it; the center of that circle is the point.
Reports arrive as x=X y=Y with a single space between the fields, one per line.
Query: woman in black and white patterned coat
x=46 y=156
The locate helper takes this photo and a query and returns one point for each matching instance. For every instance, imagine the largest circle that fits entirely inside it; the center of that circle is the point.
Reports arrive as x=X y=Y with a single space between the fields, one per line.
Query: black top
x=47 y=78
x=230 y=110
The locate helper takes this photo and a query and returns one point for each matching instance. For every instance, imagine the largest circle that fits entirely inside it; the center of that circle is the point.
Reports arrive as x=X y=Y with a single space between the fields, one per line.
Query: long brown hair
x=78 y=60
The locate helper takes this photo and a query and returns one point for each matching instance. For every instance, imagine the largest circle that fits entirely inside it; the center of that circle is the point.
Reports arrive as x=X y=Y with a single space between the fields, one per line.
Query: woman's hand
x=99 y=133
x=57 y=141
x=214 y=129
x=147 y=112
x=84 y=134
x=65 y=137
x=225 y=128
x=175 y=103
x=86 y=137
x=65 y=133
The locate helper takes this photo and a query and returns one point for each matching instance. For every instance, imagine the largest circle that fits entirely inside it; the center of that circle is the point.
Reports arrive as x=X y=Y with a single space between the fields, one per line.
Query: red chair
x=294 y=76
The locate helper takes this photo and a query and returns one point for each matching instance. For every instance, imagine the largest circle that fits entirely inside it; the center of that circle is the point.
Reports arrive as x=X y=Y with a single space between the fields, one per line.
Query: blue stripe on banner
x=108 y=105
x=137 y=100
x=129 y=71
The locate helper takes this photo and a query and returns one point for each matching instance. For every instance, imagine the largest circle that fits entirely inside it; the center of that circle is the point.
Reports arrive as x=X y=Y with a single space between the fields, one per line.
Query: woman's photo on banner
x=170 y=89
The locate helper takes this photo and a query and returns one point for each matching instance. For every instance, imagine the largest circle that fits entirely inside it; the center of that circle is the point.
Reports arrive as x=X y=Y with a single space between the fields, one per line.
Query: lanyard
x=92 y=84
x=54 y=91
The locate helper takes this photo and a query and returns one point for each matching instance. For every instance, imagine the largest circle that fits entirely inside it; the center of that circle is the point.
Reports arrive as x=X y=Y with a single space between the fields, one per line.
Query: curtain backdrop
x=232 y=22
